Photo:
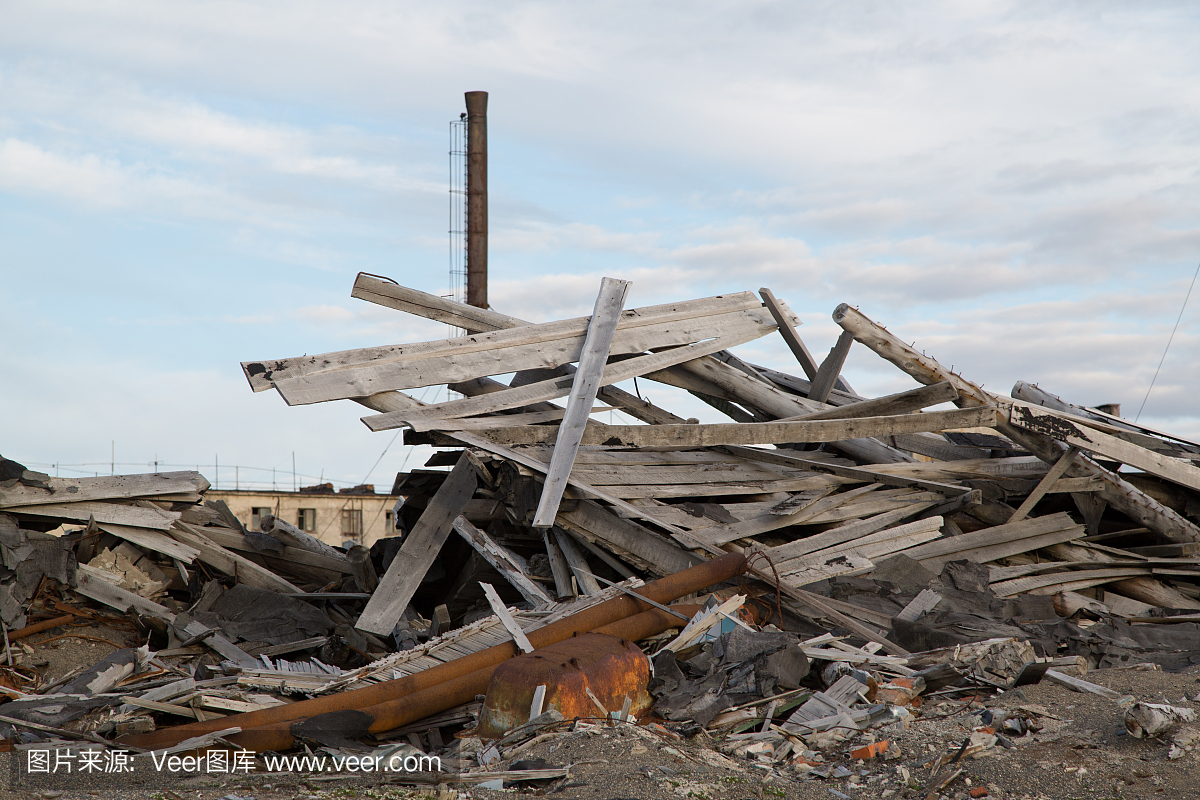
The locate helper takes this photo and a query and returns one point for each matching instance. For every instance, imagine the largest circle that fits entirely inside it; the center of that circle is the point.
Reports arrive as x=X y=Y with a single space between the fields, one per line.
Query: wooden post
x=831 y=367
x=794 y=343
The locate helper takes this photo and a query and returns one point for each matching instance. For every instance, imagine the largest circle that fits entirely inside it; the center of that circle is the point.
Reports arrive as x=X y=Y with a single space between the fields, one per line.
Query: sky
x=1012 y=186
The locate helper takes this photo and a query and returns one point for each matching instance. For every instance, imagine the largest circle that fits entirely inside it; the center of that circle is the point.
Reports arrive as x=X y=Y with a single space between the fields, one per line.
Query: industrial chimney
x=477 y=202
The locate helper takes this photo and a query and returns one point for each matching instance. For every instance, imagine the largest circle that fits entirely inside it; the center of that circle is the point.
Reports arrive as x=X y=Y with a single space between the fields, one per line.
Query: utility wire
x=1169 y=340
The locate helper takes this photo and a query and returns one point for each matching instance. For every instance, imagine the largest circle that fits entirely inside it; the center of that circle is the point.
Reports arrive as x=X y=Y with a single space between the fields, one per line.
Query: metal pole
x=663 y=590
x=455 y=691
x=477 y=203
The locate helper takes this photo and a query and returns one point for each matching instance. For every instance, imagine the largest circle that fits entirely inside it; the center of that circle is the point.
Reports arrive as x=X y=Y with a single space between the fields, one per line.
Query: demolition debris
x=799 y=589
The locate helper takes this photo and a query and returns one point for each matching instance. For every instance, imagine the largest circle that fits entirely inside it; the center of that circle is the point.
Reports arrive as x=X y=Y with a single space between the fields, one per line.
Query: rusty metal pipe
x=663 y=590
x=38 y=627
x=386 y=716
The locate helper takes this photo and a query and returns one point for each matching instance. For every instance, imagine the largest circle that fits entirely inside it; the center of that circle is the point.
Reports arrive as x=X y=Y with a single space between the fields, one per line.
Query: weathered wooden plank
x=1055 y=472
x=418 y=551
x=898 y=403
x=870 y=552
x=627 y=539
x=588 y=490
x=506 y=618
x=153 y=540
x=459 y=315
x=652 y=322
x=1121 y=494
x=924 y=602
x=165 y=708
x=870 y=506
x=888 y=478
x=1065 y=581
x=577 y=563
x=788 y=331
x=1167 y=550
x=719 y=535
x=664 y=491
x=602 y=456
x=557 y=387
x=229 y=562
x=844 y=533
x=935 y=446
x=115 y=487
x=468 y=362
x=776 y=403
x=727 y=472
x=504 y=561
x=842 y=564
x=492 y=421
x=92 y=584
x=600 y=332
x=559 y=569
x=1023 y=467
x=233 y=540
x=292 y=536
x=111 y=513
x=882 y=542
x=830 y=368
x=1000 y=541
x=1144 y=435
x=837 y=397
x=758 y=432
x=480 y=320
x=1092 y=483
x=1072 y=432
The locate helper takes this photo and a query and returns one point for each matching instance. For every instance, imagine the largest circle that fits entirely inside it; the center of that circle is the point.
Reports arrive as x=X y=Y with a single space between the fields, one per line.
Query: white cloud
x=25 y=167
x=1013 y=184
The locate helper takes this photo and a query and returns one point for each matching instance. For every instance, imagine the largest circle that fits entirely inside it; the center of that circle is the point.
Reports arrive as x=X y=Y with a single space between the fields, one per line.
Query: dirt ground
x=1081 y=751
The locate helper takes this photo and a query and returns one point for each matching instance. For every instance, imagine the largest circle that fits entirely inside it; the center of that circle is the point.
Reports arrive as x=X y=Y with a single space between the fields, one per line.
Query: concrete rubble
x=801 y=595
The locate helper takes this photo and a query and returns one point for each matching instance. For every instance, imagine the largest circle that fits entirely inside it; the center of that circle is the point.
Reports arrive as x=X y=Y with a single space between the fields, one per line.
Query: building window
x=352 y=523
x=256 y=517
x=306 y=520
x=387 y=522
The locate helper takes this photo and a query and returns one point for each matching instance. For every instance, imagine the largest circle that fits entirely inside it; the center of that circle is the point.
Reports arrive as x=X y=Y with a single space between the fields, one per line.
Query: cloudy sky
x=1014 y=186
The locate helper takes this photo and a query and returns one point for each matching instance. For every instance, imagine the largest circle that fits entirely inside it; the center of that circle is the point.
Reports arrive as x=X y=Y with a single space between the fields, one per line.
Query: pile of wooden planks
x=815 y=480
x=939 y=515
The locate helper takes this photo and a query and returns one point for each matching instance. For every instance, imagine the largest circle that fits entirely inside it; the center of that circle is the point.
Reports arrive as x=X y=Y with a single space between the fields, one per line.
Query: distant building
x=356 y=515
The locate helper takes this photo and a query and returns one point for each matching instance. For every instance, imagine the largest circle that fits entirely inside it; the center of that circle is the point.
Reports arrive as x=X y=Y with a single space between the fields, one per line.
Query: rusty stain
x=610 y=667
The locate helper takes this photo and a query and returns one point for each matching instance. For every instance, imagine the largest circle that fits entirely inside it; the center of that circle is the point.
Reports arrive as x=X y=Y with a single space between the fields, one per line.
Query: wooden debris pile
x=888 y=550
x=817 y=482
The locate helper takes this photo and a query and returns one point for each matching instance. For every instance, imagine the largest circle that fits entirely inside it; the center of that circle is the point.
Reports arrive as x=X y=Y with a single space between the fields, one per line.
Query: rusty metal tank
x=611 y=669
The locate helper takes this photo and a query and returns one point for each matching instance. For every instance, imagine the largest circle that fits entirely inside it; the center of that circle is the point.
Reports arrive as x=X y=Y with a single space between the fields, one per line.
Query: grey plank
x=586 y=381
x=420 y=548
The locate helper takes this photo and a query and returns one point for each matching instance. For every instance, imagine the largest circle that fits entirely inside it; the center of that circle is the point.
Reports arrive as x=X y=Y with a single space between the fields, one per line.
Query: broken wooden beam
x=756 y=432
x=584 y=384
x=418 y=551
x=1122 y=495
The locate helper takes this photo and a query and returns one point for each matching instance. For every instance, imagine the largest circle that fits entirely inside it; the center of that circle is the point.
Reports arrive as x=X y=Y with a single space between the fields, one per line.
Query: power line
x=1169 y=340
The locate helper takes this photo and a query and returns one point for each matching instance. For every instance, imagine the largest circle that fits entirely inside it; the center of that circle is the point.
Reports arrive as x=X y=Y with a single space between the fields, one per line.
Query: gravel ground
x=1080 y=751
